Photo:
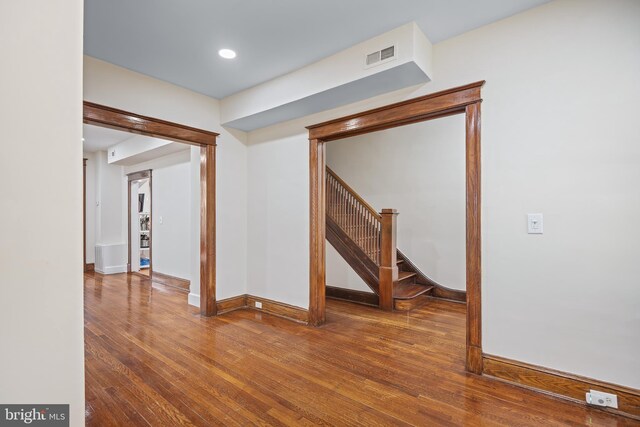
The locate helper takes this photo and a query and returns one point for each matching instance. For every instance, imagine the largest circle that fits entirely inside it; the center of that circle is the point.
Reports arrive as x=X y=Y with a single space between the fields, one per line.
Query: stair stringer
x=353 y=255
x=439 y=291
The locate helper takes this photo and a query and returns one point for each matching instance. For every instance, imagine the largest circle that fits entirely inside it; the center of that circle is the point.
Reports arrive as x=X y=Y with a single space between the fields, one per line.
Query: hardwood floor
x=152 y=360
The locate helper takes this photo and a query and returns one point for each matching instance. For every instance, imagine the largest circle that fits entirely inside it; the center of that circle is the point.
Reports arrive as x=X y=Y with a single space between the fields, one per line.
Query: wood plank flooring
x=151 y=360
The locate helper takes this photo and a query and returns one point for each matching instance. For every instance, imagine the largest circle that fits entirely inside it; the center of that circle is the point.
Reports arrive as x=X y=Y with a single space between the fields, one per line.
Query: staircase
x=366 y=239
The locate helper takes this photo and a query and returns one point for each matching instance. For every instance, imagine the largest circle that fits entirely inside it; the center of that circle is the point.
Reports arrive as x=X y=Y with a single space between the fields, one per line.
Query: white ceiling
x=97 y=138
x=178 y=40
x=152 y=154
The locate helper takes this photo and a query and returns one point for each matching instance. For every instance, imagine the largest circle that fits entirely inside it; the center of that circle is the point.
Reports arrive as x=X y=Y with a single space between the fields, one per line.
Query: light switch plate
x=534 y=223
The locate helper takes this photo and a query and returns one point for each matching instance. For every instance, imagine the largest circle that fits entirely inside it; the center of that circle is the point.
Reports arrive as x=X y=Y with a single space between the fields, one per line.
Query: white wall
x=172 y=206
x=90 y=207
x=114 y=86
x=340 y=274
x=419 y=170
x=41 y=321
x=110 y=216
x=111 y=222
x=171 y=239
x=278 y=225
x=559 y=137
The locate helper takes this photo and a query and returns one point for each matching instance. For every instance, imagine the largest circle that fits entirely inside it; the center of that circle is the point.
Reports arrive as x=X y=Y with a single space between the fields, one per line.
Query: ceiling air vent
x=372 y=58
x=380 y=56
x=387 y=53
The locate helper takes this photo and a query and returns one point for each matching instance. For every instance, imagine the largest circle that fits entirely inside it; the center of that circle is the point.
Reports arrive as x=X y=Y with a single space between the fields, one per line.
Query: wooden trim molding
x=352 y=295
x=275 y=308
x=104 y=116
x=207 y=230
x=561 y=384
x=280 y=309
x=136 y=176
x=317 y=219
x=473 y=240
x=89 y=267
x=113 y=118
x=459 y=100
x=84 y=214
x=431 y=106
x=230 y=304
x=171 y=281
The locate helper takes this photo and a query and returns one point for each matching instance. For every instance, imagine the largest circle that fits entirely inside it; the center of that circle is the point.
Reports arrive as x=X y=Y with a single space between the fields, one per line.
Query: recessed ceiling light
x=227 y=53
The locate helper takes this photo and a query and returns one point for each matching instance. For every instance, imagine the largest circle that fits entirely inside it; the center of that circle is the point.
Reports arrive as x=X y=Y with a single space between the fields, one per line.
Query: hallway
x=152 y=360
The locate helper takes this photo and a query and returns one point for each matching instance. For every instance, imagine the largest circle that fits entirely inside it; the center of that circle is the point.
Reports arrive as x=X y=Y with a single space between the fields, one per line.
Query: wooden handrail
x=354 y=216
x=374 y=233
x=354 y=194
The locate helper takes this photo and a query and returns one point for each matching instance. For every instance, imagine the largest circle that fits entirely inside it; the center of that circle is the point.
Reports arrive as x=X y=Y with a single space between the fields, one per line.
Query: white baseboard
x=194 y=299
x=113 y=269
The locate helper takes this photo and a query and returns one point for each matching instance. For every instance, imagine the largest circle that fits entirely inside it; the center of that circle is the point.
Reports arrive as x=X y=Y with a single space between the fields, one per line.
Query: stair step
x=404 y=276
x=409 y=290
x=400 y=261
x=410 y=304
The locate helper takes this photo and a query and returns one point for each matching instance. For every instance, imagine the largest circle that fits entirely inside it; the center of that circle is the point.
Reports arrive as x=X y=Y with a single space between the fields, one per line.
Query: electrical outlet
x=258 y=304
x=600 y=398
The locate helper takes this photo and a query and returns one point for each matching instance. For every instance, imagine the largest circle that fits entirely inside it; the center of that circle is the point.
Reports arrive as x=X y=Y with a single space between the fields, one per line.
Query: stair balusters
x=359 y=220
x=374 y=233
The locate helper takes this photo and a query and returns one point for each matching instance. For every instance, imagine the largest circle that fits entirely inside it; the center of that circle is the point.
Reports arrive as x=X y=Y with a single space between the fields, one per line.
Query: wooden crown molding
x=113 y=118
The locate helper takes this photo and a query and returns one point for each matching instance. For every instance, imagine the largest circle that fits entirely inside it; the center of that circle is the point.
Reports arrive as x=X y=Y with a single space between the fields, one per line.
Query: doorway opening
x=420 y=178
x=140 y=225
x=110 y=118
x=461 y=100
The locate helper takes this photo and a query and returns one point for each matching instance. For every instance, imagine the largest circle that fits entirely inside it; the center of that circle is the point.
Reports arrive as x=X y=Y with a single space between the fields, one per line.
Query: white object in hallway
x=111 y=258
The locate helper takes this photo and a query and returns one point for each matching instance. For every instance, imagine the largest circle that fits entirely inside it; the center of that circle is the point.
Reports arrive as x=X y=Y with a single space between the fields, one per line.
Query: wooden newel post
x=388 y=258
